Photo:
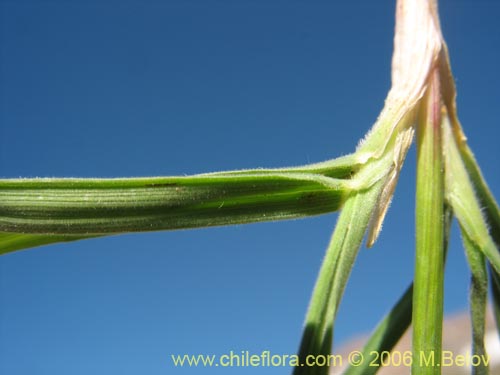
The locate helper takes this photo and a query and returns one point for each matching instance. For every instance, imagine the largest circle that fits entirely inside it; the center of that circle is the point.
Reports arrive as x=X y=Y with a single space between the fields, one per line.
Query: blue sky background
x=141 y=88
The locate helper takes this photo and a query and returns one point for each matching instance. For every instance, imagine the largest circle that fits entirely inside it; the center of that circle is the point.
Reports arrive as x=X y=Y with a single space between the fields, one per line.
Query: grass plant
x=420 y=104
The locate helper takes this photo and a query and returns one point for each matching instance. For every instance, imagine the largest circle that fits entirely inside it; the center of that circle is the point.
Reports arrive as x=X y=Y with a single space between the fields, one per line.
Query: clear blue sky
x=140 y=88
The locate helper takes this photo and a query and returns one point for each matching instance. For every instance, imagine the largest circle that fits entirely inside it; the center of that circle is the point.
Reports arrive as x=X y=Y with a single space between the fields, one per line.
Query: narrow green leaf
x=333 y=276
x=491 y=213
x=390 y=330
x=461 y=196
x=68 y=208
x=10 y=242
x=495 y=291
x=386 y=336
x=464 y=179
x=341 y=167
x=478 y=299
x=429 y=264
x=486 y=198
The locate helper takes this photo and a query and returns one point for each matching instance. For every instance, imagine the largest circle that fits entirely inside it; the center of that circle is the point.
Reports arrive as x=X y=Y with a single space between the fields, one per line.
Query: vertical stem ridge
x=428 y=287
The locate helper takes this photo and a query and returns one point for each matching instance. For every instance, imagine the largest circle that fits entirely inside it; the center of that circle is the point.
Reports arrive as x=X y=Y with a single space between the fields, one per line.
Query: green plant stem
x=335 y=270
x=478 y=297
x=461 y=195
x=429 y=264
x=492 y=214
x=486 y=198
x=476 y=211
x=495 y=291
x=389 y=331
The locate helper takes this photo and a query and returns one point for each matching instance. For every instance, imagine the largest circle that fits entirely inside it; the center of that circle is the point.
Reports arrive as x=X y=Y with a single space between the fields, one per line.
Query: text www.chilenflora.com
x=246 y=359
x=355 y=358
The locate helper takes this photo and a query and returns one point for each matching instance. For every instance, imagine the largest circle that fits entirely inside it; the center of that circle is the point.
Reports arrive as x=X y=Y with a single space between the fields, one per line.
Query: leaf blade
x=386 y=335
x=332 y=279
x=65 y=208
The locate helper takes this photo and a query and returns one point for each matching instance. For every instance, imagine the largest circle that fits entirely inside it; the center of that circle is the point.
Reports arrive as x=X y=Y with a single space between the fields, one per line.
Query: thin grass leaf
x=430 y=230
x=66 y=209
x=491 y=213
x=486 y=198
x=472 y=167
x=461 y=196
x=341 y=167
x=390 y=330
x=495 y=292
x=386 y=335
x=461 y=169
x=478 y=296
x=10 y=242
x=483 y=192
x=335 y=270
